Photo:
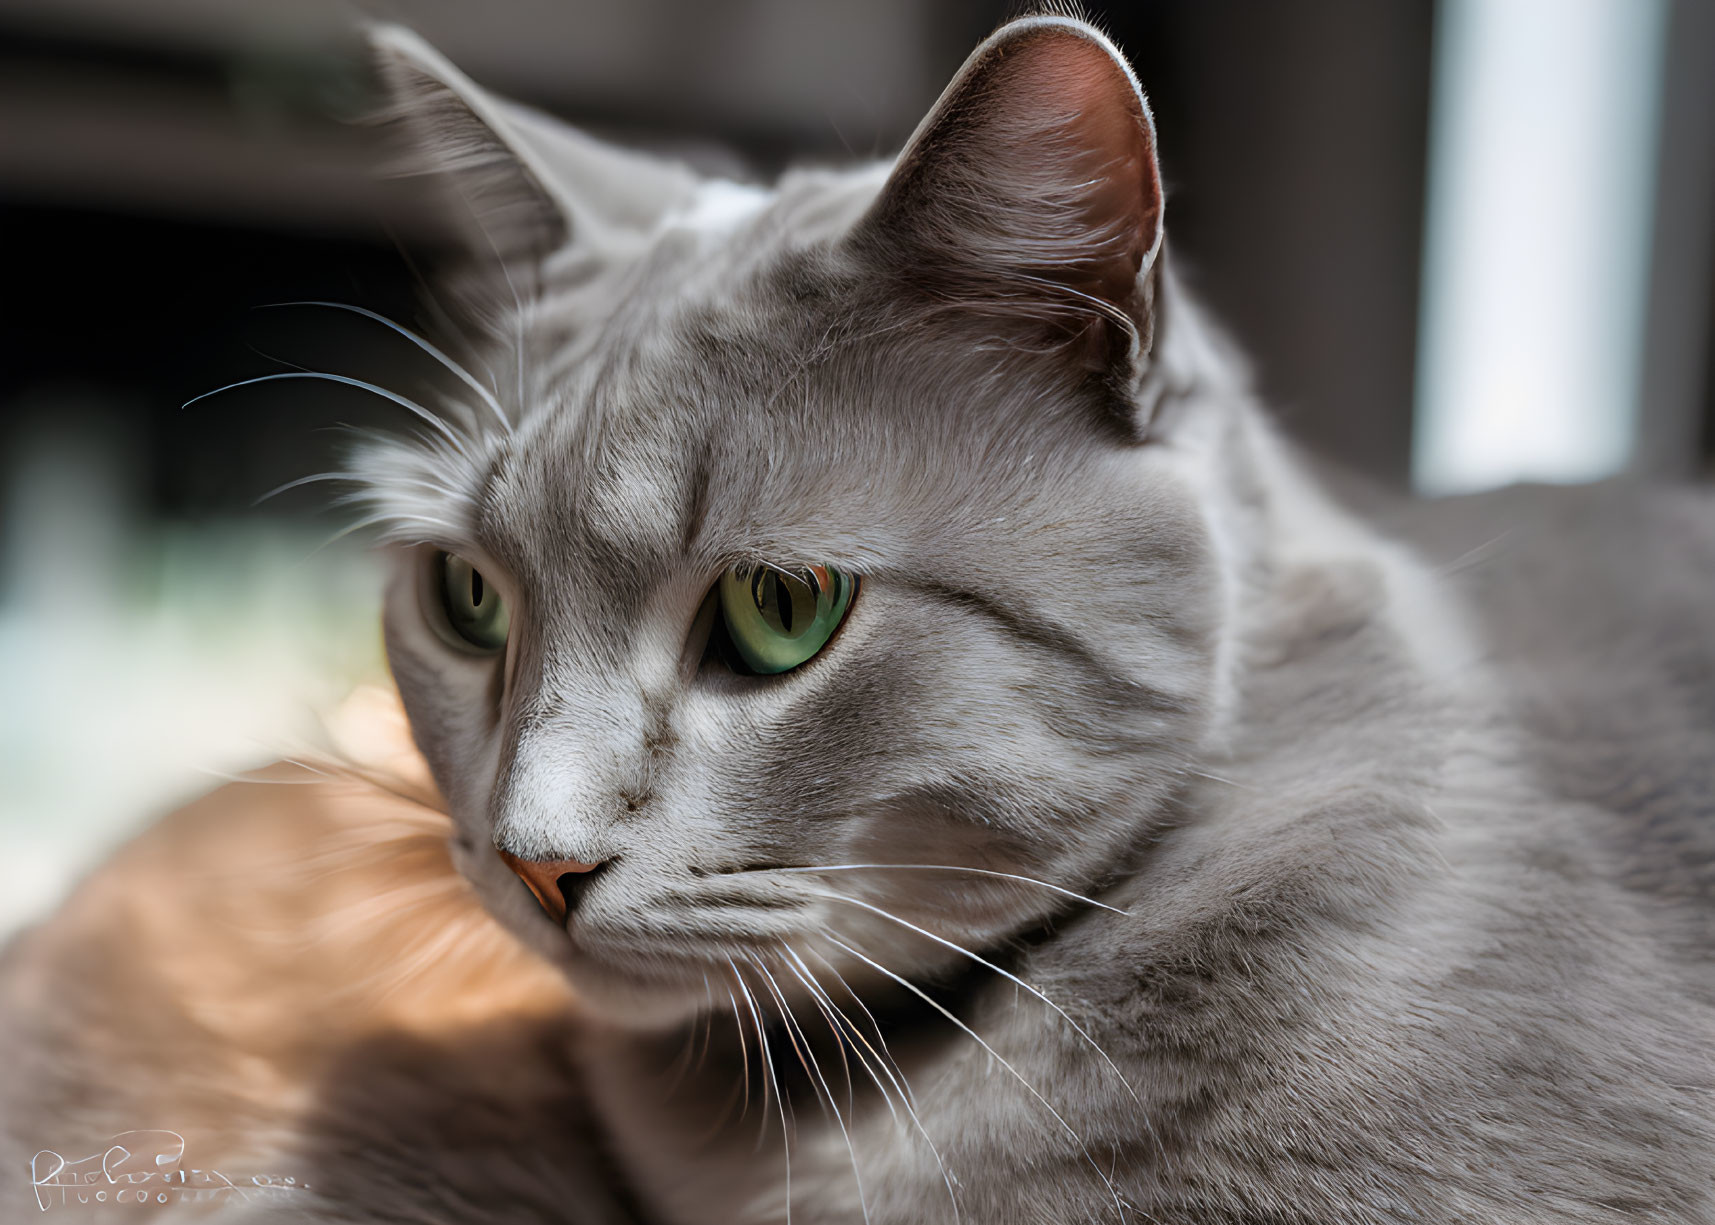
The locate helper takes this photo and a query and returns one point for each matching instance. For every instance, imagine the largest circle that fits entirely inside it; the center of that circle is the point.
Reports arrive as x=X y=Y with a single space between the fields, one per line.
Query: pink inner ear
x=1072 y=92
x=1031 y=194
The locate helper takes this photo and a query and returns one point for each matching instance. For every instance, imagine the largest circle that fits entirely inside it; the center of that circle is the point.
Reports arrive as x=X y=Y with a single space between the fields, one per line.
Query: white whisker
x=224 y=776
x=1007 y=974
x=815 y=1066
x=458 y=370
x=937 y=867
x=301 y=482
x=1218 y=778
x=681 y=1065
x=900 y=1085
x=708 y=1024
x=357 y=775
x=768 y=1075
x=875 y=1026
x=819 y=998
x=393 y=483
x=433 y=304
x=743 y=1052
x=410 y=406
x=405 y=529
x=792 y=1032
x=994 y=1054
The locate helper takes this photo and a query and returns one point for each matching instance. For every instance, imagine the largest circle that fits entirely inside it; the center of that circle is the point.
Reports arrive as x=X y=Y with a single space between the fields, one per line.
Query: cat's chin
x=625 y=1000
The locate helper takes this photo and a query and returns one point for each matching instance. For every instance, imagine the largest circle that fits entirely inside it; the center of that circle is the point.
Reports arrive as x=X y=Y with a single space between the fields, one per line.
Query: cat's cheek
x=449 y=722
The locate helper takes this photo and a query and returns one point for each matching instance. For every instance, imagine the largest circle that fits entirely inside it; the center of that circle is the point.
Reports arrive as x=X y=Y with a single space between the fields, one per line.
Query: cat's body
x=1252 y=861
x=1439 y=950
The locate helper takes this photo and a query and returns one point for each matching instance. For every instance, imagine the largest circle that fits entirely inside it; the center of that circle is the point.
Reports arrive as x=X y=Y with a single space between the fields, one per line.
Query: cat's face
x=828 y=382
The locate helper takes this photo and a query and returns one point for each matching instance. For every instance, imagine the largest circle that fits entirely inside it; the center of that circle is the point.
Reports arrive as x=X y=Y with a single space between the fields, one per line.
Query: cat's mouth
x=602 y=919
x=648 y=978
x=743 y=869
x=651 y=945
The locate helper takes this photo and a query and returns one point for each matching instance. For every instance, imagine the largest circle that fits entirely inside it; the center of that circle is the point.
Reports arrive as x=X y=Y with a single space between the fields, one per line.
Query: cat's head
x=801 y=531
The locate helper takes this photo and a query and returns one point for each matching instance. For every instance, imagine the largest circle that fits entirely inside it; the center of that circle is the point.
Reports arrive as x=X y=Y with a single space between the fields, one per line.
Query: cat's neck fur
x=1272 y=522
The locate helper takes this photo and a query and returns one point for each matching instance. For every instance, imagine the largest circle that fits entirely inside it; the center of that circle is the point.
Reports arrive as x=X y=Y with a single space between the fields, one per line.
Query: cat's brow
x=696 y=501
x=483 y=499
x=1047 y=637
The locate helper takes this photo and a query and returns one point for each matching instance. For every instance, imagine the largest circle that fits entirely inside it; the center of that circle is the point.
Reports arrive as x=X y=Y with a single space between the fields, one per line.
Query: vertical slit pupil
x=476 y=588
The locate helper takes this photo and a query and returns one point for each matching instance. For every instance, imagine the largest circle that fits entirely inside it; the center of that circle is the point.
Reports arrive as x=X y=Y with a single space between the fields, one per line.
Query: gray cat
x=967 y=765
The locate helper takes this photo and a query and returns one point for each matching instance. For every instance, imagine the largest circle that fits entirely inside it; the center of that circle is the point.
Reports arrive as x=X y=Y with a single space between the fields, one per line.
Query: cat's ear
x=1031 y=194
x=528 y=184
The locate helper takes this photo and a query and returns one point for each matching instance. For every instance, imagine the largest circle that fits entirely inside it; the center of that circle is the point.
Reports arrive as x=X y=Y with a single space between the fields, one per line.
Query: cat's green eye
x=778 y=619
x=473 y=608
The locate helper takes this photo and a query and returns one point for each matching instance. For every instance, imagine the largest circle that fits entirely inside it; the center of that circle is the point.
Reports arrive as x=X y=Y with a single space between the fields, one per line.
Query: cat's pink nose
x=555 y=882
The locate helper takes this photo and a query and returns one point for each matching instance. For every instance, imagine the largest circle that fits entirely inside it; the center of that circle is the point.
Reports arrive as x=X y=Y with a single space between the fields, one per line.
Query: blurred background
x=1466 y=242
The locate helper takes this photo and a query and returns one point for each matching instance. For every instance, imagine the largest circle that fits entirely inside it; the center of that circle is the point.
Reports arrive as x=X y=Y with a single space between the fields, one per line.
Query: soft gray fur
x=1254 y=861
x=1415 y=867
